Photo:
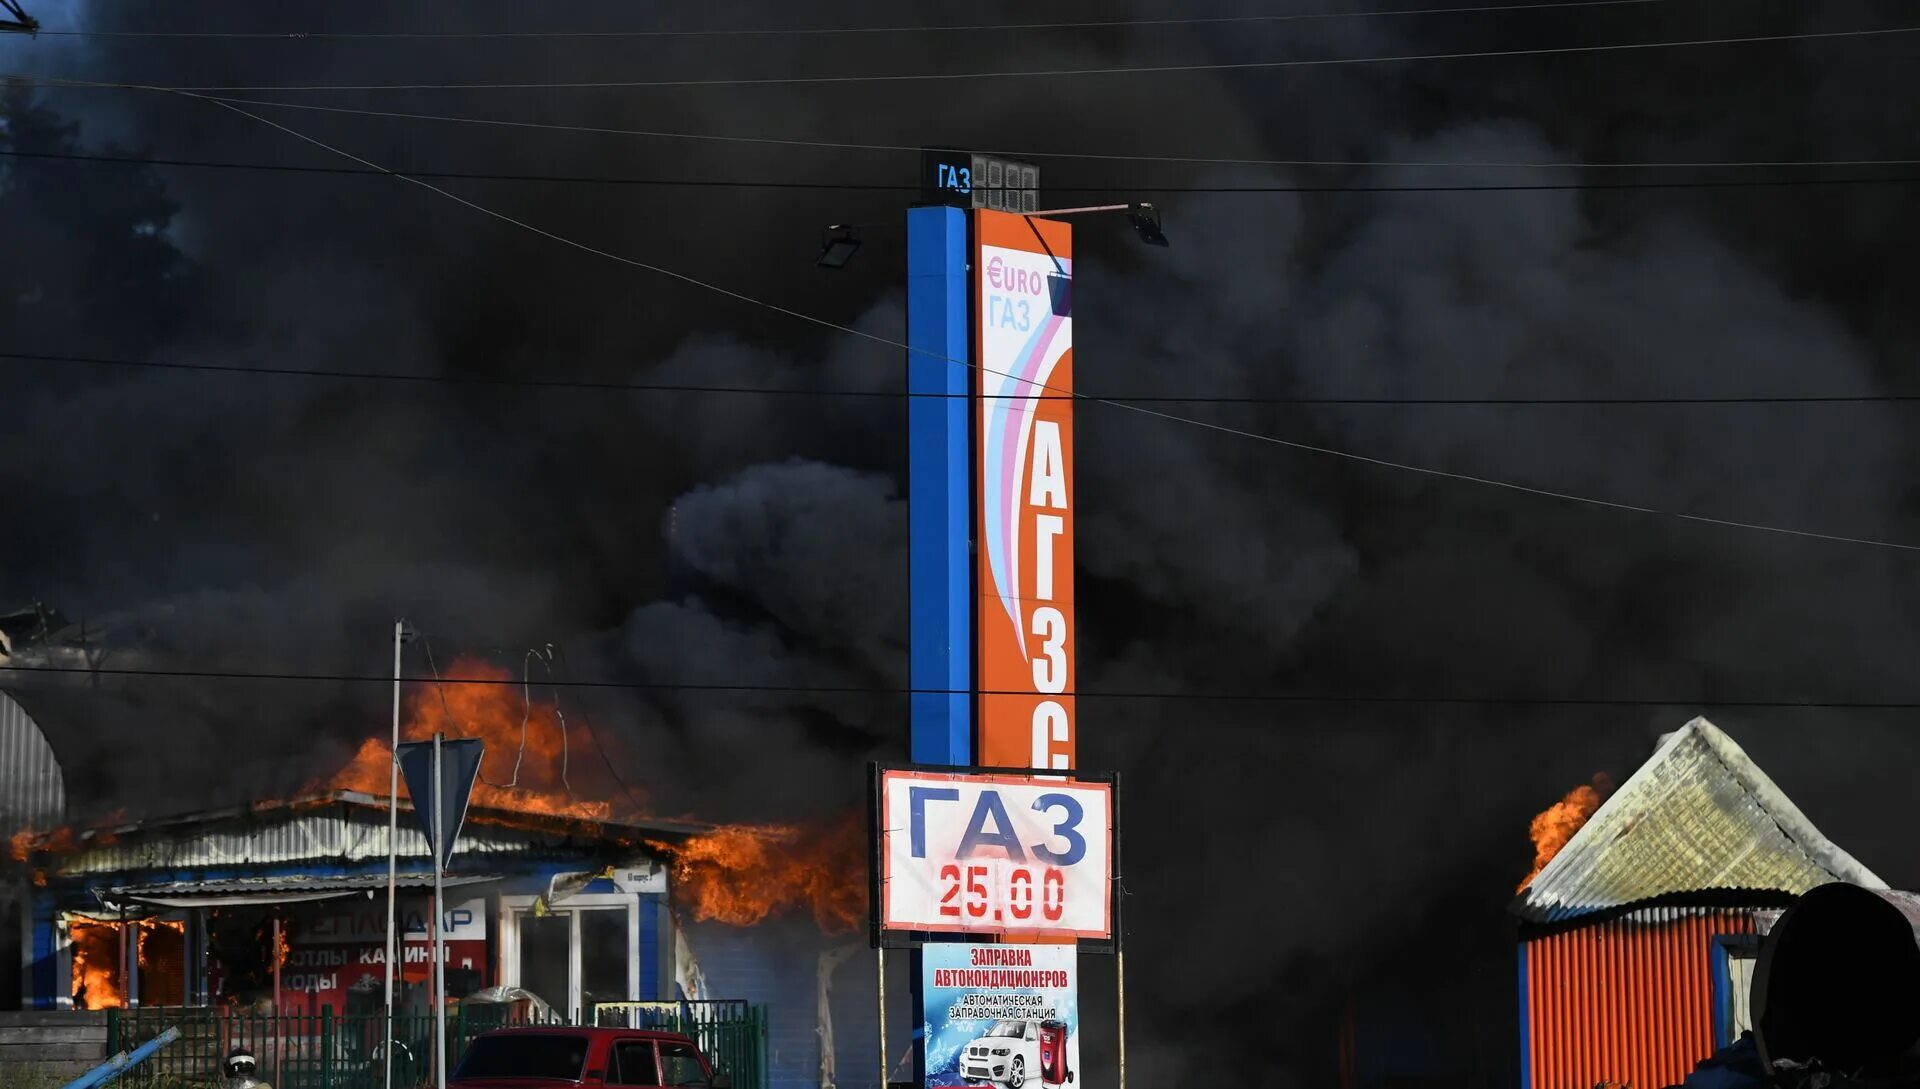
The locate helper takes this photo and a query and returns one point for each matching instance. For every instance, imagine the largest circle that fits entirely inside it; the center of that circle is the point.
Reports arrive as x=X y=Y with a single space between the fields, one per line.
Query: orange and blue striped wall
x=1634 y=1000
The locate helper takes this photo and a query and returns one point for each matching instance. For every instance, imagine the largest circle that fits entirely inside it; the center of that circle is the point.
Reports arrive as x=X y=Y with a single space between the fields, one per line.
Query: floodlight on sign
x=838 y=247
x=1146 y=222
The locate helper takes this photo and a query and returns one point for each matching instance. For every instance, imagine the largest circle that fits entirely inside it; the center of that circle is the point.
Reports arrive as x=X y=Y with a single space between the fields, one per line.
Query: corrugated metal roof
x=33 y=794
x=1698 y=817
x=341 y=828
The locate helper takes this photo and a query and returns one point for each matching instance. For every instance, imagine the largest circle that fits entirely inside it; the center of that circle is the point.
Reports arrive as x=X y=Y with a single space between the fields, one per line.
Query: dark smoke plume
x=1289 y=861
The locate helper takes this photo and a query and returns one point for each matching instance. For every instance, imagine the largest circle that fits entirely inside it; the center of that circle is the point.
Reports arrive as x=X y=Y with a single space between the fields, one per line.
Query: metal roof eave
x=665 y=830
x=290 y=890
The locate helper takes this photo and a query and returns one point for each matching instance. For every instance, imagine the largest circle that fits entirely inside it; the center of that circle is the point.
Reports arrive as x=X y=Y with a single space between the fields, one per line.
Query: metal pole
x=1120 y=977
x=1087 y=209
x=393 y=875
x=880 y=959
x=279 y=1021
x=439 y=937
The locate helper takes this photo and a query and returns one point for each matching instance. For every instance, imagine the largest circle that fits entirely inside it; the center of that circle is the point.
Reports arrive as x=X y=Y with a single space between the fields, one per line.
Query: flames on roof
x=541 y=775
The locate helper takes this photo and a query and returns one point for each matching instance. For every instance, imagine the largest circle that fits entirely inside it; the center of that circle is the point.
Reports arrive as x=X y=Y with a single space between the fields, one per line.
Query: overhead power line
x=788 y=32
x=1187 y=160
x=884 y=690
x=824 y=323
x=1004 y=74
x=512 y=382
x=1113 y=187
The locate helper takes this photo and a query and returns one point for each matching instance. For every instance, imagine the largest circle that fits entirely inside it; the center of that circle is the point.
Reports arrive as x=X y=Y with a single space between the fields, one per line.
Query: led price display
x=967 y=180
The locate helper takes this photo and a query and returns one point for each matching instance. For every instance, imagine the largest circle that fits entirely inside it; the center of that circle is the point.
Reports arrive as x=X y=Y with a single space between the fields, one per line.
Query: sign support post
x=439 y=909
x=393 y=862
x=939 y=514
x=440 y=773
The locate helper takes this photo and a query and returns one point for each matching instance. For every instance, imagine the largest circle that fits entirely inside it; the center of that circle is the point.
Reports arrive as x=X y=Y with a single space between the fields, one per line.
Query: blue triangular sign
x=459 y=766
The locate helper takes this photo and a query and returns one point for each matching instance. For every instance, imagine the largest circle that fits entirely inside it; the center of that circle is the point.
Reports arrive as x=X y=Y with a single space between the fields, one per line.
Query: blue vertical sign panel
x=939 y=487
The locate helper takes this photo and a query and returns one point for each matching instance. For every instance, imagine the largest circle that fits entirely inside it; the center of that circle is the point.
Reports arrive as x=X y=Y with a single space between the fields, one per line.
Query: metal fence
x=325 y=1050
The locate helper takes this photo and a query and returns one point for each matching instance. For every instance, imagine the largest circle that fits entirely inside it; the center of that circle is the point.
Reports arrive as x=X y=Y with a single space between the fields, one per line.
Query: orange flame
x=152 y=930
x=21 y=846
x=1557 y=824
x=538 y=778
x=96 y=965
x=741 y=875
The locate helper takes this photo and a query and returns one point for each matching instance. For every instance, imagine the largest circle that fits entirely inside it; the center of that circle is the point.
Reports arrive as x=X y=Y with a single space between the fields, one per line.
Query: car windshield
x=1014 y=1029
x=554 y=1056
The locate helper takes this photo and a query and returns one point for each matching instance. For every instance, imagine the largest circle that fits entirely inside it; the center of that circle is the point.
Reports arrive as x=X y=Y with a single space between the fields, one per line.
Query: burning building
x=283 y=905
x=1638 y=933
x=563 y=886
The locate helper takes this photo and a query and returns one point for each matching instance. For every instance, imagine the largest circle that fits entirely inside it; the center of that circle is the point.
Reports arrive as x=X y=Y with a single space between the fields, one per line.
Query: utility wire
x=1274 y=440
x=1004 y=74
x=775 y=391
x=746 y=183
x=786 y=32
x=1190 y=160
x=878 y=690
x=593 y=735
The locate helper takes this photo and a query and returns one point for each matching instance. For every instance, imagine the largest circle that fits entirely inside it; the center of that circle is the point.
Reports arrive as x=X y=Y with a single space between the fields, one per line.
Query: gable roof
x=1699 y=817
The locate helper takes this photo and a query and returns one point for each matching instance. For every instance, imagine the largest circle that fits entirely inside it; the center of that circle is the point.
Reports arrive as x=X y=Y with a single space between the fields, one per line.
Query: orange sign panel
x=1023 y=385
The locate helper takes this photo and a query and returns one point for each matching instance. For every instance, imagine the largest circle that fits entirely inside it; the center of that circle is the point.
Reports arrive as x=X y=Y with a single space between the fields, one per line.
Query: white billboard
x=995 y=854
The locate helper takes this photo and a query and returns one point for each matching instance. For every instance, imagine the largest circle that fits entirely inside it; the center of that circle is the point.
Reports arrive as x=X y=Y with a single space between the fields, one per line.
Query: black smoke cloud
x=1288 y=860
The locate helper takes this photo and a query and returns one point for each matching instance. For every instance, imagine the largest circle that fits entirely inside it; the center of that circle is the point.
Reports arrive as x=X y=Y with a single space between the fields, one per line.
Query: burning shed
x=284 y=905
x=1638 y=936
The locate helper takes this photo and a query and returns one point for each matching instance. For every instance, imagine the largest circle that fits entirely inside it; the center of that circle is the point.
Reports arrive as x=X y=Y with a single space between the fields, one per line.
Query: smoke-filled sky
x=1286 y=858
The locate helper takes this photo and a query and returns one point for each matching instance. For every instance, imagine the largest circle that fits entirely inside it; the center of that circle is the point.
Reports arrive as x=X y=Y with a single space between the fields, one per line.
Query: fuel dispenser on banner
x=1054 y=1068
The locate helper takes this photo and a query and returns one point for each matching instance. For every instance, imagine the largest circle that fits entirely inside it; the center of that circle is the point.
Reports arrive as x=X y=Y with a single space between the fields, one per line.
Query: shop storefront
x=284 y=909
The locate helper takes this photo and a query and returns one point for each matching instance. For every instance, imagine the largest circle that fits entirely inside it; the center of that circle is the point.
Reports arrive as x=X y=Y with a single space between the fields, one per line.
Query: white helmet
x=240 y=1063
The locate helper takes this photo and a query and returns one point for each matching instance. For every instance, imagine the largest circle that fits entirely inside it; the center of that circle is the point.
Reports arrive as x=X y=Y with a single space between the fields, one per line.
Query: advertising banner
x=1006 y=1015
x=995 y=854
x=340 y=947
x=1024 y=471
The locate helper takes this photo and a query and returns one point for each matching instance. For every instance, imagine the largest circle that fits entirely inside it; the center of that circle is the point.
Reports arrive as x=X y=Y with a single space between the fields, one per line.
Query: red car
x=552 y=1058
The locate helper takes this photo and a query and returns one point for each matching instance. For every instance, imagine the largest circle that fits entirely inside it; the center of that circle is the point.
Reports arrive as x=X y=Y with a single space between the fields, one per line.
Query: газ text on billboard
x=1001 y=1014
x=995 y=854
x=1024 y=558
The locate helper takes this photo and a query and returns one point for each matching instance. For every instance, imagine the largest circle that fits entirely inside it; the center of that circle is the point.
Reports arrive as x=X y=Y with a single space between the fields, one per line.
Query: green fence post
x=760 y=1047
x=113 y=1033
x=326 y=1047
